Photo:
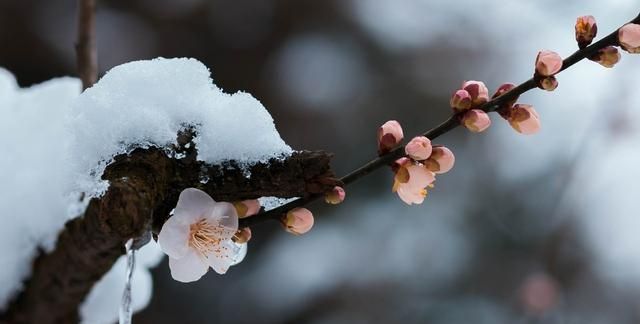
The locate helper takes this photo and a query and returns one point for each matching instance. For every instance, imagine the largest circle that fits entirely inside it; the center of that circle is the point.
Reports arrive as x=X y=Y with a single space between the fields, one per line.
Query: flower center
x=204 y=236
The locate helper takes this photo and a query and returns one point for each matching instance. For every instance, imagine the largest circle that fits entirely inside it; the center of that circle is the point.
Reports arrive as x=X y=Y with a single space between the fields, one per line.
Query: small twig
x=443 y=128
x=86 y=53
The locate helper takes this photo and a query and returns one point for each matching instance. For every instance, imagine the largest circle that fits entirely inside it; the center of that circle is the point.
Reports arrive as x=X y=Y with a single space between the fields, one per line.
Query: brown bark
x=144 y=187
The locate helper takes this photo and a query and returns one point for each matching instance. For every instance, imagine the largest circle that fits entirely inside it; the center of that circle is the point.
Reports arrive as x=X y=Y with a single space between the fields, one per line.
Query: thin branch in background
x=86 y=53
x=445 y=127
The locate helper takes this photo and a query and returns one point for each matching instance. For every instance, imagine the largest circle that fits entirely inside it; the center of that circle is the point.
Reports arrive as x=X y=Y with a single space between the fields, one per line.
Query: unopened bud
x=243 y=235
x=548 y=63
x=297 y=221
x=607 y=57
x=586 y=30
x=629 y=38
x=524 y=119
x=461 y=100
x=419 y=148
x=335 y=196
x=476 y=120
x=505 y=106
x=478 y=92
x=548 y=83
x=441 y=160
x=389 y=135
x=247 y=208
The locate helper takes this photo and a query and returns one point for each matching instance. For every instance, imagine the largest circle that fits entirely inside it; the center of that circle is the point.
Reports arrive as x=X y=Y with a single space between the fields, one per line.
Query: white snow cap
x=57 y=143
x=148 y=102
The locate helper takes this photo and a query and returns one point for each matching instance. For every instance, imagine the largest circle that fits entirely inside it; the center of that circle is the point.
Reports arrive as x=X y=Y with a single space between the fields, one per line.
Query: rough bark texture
x=144 y=187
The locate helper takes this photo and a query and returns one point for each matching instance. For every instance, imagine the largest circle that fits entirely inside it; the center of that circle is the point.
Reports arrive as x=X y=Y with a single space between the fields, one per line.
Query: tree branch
x=144 y=187
x=86 y=53
x=443 y=128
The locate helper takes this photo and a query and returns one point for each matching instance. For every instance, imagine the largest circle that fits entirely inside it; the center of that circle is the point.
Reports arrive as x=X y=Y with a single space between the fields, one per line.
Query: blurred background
x=524 y=229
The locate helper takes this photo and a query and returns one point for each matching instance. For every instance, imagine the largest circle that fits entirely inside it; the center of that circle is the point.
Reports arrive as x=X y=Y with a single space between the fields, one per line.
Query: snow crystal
x=273 y=202
x=56 y=143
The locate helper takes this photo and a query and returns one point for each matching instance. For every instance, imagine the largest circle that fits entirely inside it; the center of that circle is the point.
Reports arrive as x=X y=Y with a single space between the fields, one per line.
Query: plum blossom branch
x=86 y=53
x=445 y=127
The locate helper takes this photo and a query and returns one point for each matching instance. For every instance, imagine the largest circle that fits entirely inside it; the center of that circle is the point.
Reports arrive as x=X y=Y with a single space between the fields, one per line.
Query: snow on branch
x=144 y=187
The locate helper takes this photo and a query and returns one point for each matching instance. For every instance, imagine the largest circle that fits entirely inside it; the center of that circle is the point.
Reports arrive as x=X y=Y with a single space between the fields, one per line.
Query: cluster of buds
x=586 y=31
x=416 y=172
x=300 y=220
x=548 y=63
x=522 y=117
x=628 y=39
x=466 y=103
x=245 y=209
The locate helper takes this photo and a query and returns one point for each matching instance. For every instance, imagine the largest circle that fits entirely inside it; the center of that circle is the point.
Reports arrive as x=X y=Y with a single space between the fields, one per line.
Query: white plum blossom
x=198 y=236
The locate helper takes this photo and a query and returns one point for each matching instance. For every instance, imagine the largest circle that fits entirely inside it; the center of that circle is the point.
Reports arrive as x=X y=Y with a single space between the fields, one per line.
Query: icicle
x=125 y=306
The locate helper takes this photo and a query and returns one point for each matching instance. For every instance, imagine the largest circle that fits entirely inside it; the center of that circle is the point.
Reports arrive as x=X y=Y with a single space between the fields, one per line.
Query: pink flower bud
x=478 y=92
x=441 y=160
x=419 y=148
x=243 y=235
x=548 y=83
x=504 y=107
x=298 y=221
x=335 y=196
x=524 y=119
x=607 y=57
x=247 y=208
x=548 y=63
x=476 y=120
x=389 y=135
x=461 y=100
x=586 y=30
x=629 y=38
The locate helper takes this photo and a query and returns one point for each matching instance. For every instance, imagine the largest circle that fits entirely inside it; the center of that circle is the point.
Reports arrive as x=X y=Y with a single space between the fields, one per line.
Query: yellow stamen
x=205 y=237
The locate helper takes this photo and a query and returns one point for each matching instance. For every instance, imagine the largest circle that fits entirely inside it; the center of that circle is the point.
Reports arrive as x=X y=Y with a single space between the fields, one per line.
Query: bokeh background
x=524 y=229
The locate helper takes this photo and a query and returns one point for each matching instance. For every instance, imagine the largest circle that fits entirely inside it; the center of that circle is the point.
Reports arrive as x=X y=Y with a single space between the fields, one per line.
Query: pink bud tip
x=441 y=160
x=629 y=38
x=243 y=235
x=247 y=208
x=419 y=148
x=389 y=135
x=476 y=120
x=524 y=119
x=548 y=83
x=461 y=100
x=478 y=92
x=335 y=196
x=548 y=63
x=586 y=30
x=608 y=56
x=505 y=106
x=502 y=89
x=298 y=221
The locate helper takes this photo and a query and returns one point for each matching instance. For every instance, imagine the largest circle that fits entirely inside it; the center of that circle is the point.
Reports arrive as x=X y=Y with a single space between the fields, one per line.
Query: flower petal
x=410 y=195
x=193 y=204
x=223 y=256
x=419 y=176
x=190 y=267
x=240 y=254
x=225 y=215
x=174 y=237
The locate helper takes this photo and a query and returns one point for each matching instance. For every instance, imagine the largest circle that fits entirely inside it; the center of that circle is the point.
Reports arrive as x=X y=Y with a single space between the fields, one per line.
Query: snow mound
x=148 y=102
x=57 y=143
